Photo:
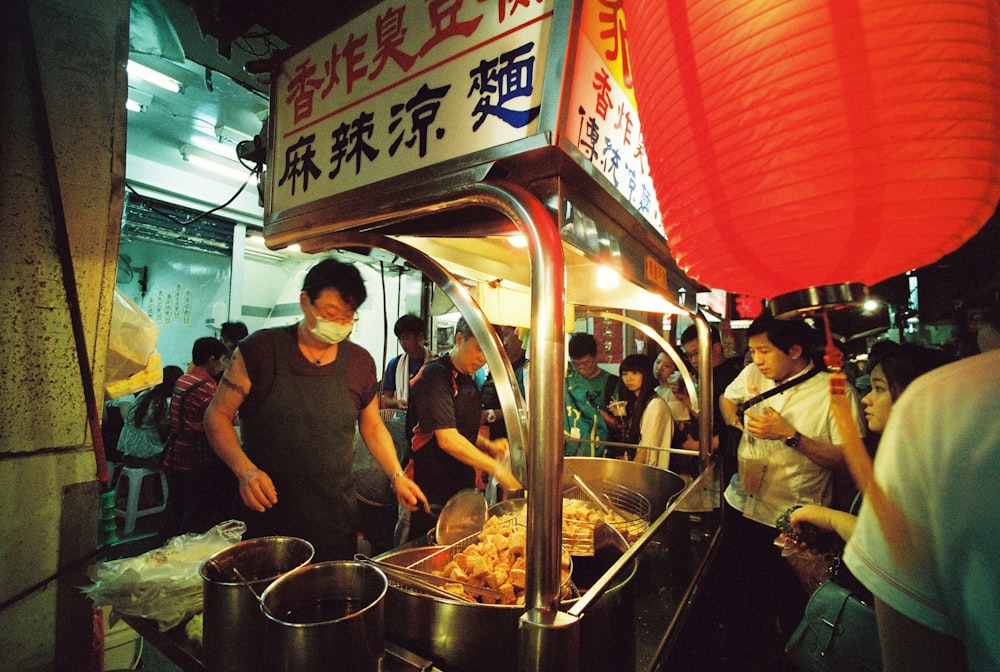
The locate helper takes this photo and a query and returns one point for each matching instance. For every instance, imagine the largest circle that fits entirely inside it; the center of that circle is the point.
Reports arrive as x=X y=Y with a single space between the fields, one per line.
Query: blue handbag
x=837 y=633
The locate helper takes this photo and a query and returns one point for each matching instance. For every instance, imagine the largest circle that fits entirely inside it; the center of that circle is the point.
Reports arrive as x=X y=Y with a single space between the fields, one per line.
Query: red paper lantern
x=799 y=143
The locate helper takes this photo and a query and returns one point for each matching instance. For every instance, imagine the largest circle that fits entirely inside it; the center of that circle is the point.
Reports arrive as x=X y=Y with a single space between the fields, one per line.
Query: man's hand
x=497 y=448
x=505 y=477
x=767 y=425
x=257 y=490
x=409 y=493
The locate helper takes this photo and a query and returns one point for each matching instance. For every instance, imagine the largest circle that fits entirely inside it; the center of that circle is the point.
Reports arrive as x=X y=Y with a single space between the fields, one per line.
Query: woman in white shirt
x=648 y=420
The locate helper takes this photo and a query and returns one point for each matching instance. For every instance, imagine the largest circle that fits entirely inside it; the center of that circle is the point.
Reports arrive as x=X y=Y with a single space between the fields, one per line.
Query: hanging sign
x=404 y=86
x=601 y=119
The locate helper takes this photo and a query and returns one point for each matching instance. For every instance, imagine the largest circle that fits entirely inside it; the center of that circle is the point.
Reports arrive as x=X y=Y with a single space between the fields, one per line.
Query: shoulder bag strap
x=753 y=401
x=183 y=397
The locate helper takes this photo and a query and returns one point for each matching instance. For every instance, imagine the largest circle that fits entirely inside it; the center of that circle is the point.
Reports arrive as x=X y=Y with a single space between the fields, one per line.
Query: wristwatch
x=793 y=440
x=491 y=416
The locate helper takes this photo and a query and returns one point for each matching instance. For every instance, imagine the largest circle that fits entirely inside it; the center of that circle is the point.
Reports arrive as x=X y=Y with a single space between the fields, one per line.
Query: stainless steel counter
x=175 y=645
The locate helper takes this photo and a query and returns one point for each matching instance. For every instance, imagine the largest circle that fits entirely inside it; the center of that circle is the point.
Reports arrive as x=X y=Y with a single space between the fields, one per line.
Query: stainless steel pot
x=472 y=637
x=656 y=485
x=329 y=616
x=233 y=621
x=466 y=637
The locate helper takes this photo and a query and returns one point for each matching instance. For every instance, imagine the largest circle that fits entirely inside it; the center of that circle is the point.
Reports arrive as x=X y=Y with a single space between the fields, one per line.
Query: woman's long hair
x=154 y=402
x=637 y=402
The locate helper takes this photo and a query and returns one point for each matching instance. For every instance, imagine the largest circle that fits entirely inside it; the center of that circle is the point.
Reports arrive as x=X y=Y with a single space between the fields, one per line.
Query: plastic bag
x=131 y=341
x=163 y=584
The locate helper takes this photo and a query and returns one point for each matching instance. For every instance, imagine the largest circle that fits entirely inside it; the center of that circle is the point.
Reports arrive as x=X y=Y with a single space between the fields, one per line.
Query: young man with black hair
x=788 y=451
x=411 y=331
x=589 y=389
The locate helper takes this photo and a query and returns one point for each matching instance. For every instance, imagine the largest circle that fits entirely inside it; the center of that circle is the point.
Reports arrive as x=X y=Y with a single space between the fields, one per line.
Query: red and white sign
x=404 y=86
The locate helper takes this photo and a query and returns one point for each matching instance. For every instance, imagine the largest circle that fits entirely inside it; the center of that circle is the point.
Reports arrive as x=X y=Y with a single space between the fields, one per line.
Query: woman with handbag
x=853 y=645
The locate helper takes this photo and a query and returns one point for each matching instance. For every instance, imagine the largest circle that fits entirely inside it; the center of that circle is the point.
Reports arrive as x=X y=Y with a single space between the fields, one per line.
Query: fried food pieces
x=496 y=560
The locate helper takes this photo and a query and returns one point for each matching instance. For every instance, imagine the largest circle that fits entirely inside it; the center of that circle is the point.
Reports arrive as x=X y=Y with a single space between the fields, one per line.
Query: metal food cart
x=440 y=132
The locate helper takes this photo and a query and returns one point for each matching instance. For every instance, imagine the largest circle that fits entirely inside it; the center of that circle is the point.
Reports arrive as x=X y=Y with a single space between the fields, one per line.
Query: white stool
x=134 y=477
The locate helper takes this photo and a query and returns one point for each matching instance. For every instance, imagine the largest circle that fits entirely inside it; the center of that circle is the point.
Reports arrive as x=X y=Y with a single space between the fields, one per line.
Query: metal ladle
x=463 y=515
x=592 y=495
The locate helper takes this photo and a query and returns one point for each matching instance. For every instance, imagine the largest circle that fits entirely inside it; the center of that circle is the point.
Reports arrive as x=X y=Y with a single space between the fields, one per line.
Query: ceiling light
x=146 y=74
x=138 y=101
x=212 y=145
x=223 y=133
x=607 y=278
x=213 y=165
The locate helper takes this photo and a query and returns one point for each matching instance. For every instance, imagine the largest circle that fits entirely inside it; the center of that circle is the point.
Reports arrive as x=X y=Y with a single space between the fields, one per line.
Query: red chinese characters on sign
x=514 y=4
x=351 y=56
x=301 y=89
x=353 y=60
x=614 y=19
x=443 y=15
x=391 y=32
x=602 y=85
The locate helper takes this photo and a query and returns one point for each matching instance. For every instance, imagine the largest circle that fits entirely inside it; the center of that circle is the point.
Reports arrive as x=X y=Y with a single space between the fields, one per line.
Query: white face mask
x=331 y=332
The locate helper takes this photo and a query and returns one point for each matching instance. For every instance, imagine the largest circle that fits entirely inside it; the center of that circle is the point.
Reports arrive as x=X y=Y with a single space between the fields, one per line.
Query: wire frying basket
x=630 y=512
x=445 y=558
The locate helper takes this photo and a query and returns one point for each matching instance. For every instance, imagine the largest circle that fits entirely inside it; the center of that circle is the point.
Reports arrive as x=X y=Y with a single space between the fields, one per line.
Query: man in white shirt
x=937 y=594
x=790 y=446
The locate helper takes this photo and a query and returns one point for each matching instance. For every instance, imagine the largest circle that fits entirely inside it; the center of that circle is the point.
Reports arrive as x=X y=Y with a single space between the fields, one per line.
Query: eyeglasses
x=337 y=317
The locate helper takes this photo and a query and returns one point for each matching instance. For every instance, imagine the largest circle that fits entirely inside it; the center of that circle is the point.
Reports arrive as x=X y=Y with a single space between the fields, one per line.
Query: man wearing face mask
x=299 y=391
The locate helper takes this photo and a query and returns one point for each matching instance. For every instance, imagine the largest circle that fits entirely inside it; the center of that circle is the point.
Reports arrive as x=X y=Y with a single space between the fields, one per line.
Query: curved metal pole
x=706 y=395
x=546 y=374
x=511 y=401
x=704 y=399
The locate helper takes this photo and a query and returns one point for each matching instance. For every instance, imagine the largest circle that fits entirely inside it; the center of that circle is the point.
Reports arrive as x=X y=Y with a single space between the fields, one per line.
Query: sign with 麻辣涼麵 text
x=406 y=85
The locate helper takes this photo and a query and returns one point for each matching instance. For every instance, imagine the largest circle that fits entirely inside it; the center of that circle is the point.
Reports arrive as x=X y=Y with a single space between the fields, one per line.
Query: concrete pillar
x=64 y=155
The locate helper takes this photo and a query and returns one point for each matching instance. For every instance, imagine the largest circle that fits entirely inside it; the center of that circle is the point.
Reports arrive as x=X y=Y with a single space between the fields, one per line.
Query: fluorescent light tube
x=146 y=74
x=138 y=101
x=217 y=167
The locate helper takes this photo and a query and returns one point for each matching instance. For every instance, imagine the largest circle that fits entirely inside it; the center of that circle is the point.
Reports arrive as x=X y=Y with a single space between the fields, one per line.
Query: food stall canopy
x=817 y=142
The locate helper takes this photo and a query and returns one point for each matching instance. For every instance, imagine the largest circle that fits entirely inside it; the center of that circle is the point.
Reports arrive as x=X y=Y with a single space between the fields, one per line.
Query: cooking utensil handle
x=403 y=576
x=587 y=490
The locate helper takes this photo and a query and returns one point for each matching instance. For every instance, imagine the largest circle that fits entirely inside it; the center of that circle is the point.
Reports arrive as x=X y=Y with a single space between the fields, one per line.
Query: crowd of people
x=261 y=427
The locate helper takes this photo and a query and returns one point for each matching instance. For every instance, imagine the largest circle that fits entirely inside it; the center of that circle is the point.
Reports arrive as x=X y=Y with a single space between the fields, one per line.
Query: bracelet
x=392 y=479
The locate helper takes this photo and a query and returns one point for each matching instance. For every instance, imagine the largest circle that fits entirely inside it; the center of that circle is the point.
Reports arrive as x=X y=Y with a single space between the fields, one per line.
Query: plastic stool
x=134 y=477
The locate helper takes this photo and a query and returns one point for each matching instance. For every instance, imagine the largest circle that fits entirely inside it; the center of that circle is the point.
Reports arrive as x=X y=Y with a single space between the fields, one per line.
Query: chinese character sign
x=406 y=85
x=601 y=119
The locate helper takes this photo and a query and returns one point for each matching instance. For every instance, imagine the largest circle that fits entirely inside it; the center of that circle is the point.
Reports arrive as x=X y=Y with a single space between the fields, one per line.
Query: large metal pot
x=233 y=621
x=656 y=485
x=470 y=637
x=328 y=616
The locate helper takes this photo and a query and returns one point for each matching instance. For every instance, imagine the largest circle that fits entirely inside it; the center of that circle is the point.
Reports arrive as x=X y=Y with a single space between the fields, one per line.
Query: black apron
x=302 y=435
